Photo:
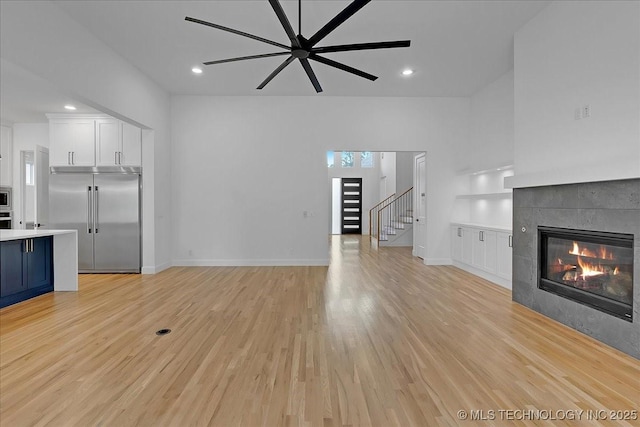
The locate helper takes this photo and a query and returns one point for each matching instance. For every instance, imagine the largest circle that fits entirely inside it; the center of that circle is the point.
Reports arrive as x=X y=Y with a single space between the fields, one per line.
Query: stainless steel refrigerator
x=103 y=204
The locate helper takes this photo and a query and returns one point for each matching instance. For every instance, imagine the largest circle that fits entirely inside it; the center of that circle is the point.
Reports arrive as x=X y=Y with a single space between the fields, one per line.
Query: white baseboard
x=155 y=269
x=250 y=262
x=505 y=283
x=438 y=261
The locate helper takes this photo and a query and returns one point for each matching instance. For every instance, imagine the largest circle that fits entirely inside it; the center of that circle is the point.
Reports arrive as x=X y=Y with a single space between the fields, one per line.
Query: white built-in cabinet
x=93 y=141
x=482 y=249
x=504 y=245
x=481 y=224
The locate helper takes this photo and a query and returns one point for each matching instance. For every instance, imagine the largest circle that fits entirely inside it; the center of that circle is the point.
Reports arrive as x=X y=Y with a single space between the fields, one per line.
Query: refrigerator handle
x=89 y=206
x=95 y=210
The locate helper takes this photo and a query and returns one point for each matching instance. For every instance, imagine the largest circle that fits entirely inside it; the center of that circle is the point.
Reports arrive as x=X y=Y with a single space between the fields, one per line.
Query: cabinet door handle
x=115 y=157
x=482 y=236
x=119 y=157
x=73 y=160
x=459 y=232
x=68 y=157
x=510 y=241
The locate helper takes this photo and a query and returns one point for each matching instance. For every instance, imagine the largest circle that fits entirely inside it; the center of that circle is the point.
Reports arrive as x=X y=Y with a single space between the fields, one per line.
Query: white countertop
x=485 y=226
x=29 y=234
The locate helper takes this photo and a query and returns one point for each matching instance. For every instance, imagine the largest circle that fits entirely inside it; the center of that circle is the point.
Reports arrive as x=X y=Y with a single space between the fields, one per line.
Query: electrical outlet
x=578 y=114
x=586 y=111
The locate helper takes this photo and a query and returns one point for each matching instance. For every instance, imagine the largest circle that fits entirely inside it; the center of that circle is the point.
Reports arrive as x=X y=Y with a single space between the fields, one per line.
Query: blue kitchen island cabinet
x=26 y=269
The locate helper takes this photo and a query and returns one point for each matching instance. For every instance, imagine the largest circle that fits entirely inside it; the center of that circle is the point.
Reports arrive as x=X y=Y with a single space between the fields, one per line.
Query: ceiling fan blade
x=286 y=62
x=311 y=74
x=342 y=67
x=346 y=13
x=242 y=58
x=362 y=46
x=240 y=33
x=277 y=8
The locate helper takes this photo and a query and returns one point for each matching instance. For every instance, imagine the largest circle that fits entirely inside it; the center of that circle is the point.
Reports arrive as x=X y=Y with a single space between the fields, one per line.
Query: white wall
x=231 y=156
x=405 y=162
x=490 y=145
x=25 y=138
x=43 y=39
x=570 y=55
x=388 y=173
x=491 y=131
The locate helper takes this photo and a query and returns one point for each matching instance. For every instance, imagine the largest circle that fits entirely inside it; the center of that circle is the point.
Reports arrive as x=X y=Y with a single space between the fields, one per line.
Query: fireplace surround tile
x=620 y=194
x=612 y=206
x=554 y=196
x=564 y=218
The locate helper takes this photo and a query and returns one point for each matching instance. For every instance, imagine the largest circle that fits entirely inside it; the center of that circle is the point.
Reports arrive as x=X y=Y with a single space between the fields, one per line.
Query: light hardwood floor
x=375 y=339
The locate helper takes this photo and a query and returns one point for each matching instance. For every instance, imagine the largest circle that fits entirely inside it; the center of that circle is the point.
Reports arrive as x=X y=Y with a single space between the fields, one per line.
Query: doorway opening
x=34 y=188
x=383 y=175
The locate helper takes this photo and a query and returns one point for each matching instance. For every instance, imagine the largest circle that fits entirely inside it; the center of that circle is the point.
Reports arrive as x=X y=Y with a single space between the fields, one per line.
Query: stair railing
x=395 y=212
x=373 y=215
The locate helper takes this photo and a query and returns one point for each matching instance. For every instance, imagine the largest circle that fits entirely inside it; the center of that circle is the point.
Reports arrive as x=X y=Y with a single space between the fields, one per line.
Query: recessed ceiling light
x=70 y=107
x=407 y=72
x=196 y=70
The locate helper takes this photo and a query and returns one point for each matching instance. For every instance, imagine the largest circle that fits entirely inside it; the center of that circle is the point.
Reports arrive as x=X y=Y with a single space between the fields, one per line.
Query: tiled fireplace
x=576 y=257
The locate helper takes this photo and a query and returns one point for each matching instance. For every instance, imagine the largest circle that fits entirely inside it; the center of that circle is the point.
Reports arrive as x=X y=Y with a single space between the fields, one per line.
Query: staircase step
x=406 y=219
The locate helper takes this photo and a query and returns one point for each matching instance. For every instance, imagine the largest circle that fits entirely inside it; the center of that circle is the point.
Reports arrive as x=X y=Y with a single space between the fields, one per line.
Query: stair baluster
x=391 y=214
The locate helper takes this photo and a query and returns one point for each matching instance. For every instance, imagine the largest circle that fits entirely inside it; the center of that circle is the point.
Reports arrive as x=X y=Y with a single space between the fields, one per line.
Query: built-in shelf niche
x=482 y=199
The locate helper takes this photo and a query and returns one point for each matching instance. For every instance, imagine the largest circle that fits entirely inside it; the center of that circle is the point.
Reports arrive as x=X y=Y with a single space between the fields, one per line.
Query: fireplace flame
x=603 y=253
x=590 y=270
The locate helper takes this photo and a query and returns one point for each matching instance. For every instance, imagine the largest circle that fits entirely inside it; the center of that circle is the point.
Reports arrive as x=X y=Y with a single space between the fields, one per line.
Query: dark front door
x=351 y=205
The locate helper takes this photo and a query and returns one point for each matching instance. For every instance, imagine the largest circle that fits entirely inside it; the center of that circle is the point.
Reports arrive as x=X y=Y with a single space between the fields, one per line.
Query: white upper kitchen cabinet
x=107 y=142
x=72 y=142
x=6 y=145
x=118 y=143
x=93 y=141
x=131 y=149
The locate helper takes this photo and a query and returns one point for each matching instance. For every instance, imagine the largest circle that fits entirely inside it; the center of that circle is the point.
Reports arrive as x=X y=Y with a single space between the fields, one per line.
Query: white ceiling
x=457 y=47
x=26 y=98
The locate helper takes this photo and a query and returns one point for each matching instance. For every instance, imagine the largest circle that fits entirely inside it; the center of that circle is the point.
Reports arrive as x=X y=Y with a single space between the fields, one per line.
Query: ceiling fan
x=304 y=49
